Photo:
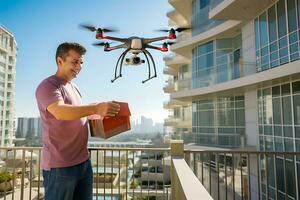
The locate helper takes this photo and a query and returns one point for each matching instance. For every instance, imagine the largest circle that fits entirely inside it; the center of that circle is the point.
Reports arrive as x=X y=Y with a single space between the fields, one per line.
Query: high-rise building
x=8 y=54
x=238 y=70
x=22 y=127
x=29 y=127
x=146 y=125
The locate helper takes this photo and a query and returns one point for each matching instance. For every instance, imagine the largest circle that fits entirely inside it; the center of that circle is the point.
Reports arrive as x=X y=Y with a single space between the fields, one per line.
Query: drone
x=134 y=45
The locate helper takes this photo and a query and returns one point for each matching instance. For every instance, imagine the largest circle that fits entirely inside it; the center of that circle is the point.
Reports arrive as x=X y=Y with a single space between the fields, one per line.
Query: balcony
x=234 y=79
x=172 y=103
x=186 y=123
x=204 y=172
x=232 y=9
x=170 y=86
x=184 y=7
x=226 y=29
x=177 y=18
x=171 y=121
x=170 y=71
x=117 y=173
x=175 y=61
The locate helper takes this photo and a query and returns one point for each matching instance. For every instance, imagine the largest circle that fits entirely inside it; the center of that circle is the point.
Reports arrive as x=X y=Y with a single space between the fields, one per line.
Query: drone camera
x=134 y=61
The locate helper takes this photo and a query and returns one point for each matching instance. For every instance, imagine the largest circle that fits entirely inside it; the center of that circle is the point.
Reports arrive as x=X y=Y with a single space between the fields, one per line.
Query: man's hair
x=63 y=49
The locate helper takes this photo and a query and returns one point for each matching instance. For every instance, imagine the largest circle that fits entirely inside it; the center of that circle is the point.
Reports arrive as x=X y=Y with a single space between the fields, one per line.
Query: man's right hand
x=107 y=109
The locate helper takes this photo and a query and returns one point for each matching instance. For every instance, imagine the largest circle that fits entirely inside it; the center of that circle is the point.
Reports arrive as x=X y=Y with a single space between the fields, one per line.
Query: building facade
x=238 y=71
x=8 y=55
x=29 y=127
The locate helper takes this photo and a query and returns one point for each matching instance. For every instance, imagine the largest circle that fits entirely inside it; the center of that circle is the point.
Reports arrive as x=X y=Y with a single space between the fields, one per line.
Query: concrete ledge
x=187 y=186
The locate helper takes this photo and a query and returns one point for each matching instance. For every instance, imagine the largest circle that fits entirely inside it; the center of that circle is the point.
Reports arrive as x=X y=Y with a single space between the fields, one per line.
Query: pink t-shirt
x=64 y=142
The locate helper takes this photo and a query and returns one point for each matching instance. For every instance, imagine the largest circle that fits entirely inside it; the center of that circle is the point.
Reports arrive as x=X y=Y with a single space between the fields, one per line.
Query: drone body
x=134 y=45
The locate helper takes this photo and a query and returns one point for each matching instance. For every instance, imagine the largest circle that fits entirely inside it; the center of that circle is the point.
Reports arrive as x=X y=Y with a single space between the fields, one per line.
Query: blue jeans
x=69 y=183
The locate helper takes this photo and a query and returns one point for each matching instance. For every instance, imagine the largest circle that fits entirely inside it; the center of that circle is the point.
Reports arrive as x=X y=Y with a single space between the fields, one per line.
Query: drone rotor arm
x=150 y=40
x=124 y=40
x=152 y=47
x=117 y=47
x=163 y=49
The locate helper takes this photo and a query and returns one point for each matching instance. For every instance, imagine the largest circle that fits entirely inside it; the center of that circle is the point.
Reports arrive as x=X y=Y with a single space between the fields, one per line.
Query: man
x=66 y=166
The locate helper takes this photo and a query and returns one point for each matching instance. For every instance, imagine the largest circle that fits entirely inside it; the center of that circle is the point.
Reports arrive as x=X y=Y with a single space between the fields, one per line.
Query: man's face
x=70 y=66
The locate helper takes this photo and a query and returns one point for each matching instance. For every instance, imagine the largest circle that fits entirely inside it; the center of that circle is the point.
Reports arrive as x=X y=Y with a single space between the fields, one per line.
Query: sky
x=40 y=26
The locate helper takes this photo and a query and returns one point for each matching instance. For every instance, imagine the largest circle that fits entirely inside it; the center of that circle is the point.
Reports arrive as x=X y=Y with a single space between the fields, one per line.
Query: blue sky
x=39 y=26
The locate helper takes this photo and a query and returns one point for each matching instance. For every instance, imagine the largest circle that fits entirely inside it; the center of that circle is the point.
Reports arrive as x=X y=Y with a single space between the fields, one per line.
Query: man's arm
x=62 y=111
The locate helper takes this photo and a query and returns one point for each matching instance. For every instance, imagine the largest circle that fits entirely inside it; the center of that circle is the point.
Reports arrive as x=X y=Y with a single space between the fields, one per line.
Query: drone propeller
x=102 y=43
x=87 y=27
x=179 y=29
x=165 y=43
x=93 y=28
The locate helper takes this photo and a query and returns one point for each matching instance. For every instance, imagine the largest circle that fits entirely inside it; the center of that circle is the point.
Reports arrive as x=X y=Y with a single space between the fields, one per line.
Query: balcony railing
x=141 y=173
x=222 y=73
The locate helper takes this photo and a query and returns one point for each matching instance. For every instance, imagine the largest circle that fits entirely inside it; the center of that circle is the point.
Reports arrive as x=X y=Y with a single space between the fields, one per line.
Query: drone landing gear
x=145 y=52
x=121 y=59
x=122 y=56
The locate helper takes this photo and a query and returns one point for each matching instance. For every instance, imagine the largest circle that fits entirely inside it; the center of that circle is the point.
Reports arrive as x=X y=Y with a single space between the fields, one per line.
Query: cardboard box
x=110 y=126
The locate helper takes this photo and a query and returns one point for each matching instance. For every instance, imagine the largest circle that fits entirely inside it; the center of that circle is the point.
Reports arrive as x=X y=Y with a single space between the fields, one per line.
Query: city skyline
x=38 y=33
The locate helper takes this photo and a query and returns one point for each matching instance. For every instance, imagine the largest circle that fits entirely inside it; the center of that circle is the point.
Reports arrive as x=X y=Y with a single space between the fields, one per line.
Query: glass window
x=206 y=118
x=288 y=131
x=285 y=89
x=204 y=3
x=278 y=130
x=292 y=15
x=289 y=145
x=287 y=110
x=297 y=132
x=296 y=87
x=290 y=172
x=278 y=144
x=280 y=174
x=281 y=17
x=240 y=117
x=272 y=24
x=263 y=29
x=226 y=117
x=276 y=91
x=296 y=100
x=276 y=111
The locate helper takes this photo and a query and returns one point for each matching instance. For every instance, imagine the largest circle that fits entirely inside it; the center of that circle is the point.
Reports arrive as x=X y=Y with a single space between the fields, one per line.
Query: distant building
x=29 y=127
x=22 y=127
x=146 y=125
x=8 y=54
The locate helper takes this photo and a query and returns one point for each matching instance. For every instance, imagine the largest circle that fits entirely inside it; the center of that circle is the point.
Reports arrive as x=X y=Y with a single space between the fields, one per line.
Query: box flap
x=124 y=109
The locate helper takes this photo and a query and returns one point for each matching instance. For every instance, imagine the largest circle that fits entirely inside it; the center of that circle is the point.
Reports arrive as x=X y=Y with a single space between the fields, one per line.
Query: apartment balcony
x=170 y=86
x=118 y=174
x=226 y=29
x=175 y=61
x=172 y=103
x=203 y=173
x=186 y=123
x=232 y=9
x=184 y=84
x=177 y=18
x=171 y=121
x=235 y=79
x=184 y=7
x=170 y=71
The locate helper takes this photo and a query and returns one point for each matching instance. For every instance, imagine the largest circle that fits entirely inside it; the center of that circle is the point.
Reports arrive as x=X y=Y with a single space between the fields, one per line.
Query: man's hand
x=107 y=109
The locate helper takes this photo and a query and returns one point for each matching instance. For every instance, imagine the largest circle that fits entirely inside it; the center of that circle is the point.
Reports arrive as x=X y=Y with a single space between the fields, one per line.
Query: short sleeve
x=46 y=94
